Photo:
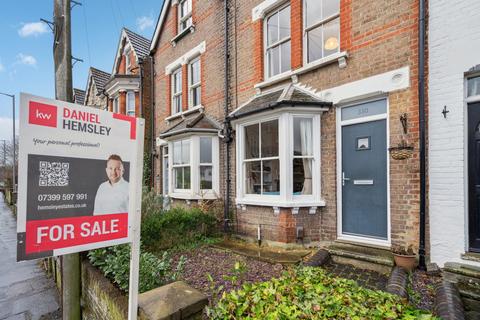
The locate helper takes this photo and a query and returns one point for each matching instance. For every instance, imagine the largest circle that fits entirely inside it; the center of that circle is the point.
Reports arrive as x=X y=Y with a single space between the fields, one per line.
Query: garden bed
x=220 y=265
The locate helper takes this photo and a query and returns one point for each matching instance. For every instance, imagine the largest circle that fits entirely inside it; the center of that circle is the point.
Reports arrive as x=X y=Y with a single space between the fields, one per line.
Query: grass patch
x=311 y=293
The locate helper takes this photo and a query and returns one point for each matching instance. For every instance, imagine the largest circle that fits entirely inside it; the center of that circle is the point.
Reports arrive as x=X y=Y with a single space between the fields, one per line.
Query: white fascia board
x=89 y=83
x=198 y=50
x=119 y=52
x=379 y=84
x=158 y=28
x=263 y=8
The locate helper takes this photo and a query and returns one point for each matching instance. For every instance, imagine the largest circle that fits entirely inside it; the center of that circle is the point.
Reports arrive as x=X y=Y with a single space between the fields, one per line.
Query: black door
x=474 y=176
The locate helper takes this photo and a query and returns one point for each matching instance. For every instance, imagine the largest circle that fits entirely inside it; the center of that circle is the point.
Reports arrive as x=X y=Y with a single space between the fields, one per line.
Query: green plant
x=311 y=293
x=237 y=273
x=147 y=167
x=152 y=203
x=176 y=227
x=114 y=262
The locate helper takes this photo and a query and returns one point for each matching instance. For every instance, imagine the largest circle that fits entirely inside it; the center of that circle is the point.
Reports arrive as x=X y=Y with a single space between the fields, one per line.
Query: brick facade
x=378 y=37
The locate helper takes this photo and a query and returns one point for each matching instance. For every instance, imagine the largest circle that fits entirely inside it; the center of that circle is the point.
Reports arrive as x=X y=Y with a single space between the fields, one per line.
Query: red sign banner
x=51 y=234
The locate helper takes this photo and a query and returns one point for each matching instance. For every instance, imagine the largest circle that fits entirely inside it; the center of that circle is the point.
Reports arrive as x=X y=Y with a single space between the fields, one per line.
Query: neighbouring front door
x=364 y=180
x=474 y=176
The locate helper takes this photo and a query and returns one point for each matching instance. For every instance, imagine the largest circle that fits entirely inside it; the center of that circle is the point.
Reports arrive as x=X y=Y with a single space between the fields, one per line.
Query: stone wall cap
x=176 y=300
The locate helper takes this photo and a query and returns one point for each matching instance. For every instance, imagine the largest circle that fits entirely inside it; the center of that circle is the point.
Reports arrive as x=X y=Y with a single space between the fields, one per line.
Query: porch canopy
x=198 y=123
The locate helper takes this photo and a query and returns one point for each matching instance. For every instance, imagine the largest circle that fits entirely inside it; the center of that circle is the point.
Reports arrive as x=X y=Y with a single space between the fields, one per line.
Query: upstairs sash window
x=277 y=42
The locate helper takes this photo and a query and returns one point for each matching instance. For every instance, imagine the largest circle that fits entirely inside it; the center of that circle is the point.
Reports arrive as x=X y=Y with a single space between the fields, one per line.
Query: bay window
x=181 y=164
x=131 y=103
x=279 y=161
x=277 y=42
x=322 y=28
x=177 y=91
x=262 y=159
x=194 y=167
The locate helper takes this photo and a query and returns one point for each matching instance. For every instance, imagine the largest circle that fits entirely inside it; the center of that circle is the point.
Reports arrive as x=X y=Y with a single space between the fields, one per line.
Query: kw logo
x=42 y=114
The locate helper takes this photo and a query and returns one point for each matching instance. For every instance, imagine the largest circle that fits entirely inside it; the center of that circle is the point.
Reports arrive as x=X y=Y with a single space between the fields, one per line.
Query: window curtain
x=307 y=150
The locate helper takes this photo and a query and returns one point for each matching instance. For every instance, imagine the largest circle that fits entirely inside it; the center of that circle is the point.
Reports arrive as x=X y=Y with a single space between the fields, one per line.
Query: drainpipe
x=421 y=106
x=152 y=121
x=227 y=128
x=140 y=92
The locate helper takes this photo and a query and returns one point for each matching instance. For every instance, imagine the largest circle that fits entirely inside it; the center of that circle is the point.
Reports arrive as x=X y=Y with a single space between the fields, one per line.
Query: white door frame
x=339 y=125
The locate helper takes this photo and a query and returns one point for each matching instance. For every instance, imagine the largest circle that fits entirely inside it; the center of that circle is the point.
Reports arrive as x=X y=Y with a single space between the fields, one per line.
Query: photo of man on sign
x=112 y=195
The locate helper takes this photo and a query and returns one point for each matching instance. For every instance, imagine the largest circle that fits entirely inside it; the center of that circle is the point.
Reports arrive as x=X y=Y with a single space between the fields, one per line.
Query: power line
x=114 y=15
x=86 y=33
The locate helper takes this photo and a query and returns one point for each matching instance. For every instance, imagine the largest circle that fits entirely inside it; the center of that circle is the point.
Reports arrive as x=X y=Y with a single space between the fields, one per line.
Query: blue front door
x=364 y=180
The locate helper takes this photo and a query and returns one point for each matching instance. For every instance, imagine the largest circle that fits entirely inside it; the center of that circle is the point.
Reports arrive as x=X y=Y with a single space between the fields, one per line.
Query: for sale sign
x=77 y=179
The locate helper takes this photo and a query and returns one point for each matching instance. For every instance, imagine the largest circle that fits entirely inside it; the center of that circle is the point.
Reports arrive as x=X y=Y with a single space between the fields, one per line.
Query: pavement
x=26 y=293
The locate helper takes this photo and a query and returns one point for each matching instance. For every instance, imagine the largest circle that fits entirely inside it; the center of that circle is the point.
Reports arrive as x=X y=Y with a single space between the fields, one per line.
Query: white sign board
x=78 y=178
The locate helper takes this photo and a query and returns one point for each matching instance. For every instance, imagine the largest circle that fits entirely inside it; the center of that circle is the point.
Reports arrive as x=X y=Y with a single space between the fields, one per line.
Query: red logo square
x=42 y=114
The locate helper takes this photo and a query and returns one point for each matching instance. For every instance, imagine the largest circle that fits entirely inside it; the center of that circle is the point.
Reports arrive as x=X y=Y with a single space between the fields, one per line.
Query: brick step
x=467 y=279
x=379 y=260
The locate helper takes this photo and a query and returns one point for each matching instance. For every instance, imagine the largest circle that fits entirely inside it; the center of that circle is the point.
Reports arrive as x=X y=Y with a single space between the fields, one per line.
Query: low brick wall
x=100 y=298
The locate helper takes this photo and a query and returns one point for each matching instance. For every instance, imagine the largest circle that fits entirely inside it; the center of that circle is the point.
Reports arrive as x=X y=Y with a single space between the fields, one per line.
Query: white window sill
x=339 y=57
x=209 y=195
x=181 y=34
x=280 y=203
x=184 y=113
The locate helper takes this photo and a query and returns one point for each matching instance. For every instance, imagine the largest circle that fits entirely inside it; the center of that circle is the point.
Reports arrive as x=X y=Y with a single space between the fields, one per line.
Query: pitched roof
x=141 y=45
x=100 y=77
x=195 y=122
x=290 y=96
x=78 y=96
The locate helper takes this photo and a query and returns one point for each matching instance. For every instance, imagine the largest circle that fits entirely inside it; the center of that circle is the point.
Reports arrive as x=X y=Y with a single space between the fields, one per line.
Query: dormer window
x=277 y=42
x=322 y=28
x=184 y=15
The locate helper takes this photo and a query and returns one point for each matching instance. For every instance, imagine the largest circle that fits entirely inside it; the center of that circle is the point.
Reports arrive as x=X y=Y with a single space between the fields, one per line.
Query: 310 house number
x=362 y=111
x=64 y=197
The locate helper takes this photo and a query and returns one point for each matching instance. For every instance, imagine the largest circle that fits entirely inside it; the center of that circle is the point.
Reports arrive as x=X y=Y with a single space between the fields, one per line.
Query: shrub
x=310 y=293
x=152 y=203
x=176 y=227
x=114 y=262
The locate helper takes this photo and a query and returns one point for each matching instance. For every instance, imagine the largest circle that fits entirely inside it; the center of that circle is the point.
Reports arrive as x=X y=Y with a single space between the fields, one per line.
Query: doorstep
x=375 y=259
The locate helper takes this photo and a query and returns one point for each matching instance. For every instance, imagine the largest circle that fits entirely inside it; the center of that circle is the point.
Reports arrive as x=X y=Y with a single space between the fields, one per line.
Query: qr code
x=53 y=174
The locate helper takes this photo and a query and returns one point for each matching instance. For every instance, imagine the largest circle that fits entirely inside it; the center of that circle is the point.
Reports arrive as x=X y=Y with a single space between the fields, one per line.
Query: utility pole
x=62 y=56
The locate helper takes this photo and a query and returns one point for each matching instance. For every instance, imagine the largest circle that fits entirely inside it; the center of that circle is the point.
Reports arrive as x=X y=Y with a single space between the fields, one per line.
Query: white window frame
x=130 y=109
x=181 y=165
x=276 y=44
x=316 y=25
x=116 y=105
x=195 y=193
x=178 y=94
x=165 y=171
x=193 y=86
x=186 y=18
x=285 y=151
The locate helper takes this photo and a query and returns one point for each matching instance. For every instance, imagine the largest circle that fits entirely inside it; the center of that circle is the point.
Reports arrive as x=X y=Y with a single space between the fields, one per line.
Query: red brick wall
x=185 y=87
x=379 y=36
x=123 y=102
x=296 y=23
x=208 y=17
